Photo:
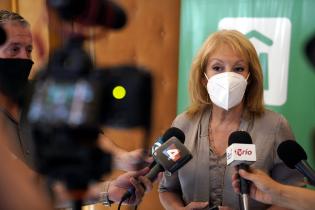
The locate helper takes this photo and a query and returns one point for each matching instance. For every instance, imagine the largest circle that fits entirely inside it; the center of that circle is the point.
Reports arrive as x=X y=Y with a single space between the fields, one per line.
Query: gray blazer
x=192 y=181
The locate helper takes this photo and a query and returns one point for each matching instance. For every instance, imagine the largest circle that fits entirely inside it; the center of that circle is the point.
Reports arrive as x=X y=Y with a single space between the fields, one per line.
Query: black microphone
x=169 y=133
x=91 y=13
x=294 y=156
x=3 y=36
x=170 y=156
x=241 y=152
x=310 y=50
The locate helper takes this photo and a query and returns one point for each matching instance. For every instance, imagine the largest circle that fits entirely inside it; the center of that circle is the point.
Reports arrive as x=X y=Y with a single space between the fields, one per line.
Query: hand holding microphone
x=241 y=153
x=262 y=186
x=134 y=180
x=264 y=189
x=169 y=156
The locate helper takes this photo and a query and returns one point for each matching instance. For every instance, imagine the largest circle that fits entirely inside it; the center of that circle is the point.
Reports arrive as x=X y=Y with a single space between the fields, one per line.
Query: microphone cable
x=123 y=199
x=127 y=196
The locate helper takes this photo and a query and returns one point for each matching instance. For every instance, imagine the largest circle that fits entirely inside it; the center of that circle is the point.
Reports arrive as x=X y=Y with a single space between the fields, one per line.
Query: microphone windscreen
x=291 y=153
x=115 y=17
x=310 y=50
x=173 y=132
x=240 y=137
x=91 y=13
x=3 y=36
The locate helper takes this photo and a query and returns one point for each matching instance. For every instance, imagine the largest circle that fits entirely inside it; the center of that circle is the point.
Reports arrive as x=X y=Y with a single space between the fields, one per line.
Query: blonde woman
x=226 y=91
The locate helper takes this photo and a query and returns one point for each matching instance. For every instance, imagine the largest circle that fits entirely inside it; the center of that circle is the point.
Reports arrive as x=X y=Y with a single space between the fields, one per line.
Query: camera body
x=70 y=103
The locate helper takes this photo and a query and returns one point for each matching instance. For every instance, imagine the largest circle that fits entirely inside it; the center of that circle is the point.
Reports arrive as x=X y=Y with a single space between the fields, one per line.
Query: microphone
x=241 y=153
x=310 y=50
x=169 y=133
x=169 y=157
x=294 y=156
x=91 y=13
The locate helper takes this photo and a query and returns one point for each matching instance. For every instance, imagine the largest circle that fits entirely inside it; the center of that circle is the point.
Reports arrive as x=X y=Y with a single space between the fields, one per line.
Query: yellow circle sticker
x=119 y=92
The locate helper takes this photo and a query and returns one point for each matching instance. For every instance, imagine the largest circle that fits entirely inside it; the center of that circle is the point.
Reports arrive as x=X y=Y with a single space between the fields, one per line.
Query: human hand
x=262 y=187
x=195 y=205
x=123 y=159
x=117 y=188
x=121 y=184
x=131 y=161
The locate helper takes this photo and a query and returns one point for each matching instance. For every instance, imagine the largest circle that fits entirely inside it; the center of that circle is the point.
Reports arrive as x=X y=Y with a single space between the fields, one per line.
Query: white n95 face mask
x=227 y=89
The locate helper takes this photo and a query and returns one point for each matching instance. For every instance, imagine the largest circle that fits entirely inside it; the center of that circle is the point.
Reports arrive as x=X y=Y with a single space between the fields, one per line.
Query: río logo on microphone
x=242 y=152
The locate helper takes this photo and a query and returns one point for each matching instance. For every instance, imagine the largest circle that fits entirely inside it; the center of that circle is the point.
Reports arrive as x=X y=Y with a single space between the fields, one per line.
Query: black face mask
x=14 y=77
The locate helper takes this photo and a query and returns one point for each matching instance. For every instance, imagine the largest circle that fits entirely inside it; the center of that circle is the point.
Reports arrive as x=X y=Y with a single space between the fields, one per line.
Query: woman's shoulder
x=182 y=116
x=184 y=120
x=271 y=116
x=271 y=121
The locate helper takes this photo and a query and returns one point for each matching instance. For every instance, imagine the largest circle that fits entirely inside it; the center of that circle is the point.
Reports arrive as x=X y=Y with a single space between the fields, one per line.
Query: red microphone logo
x=242 y=152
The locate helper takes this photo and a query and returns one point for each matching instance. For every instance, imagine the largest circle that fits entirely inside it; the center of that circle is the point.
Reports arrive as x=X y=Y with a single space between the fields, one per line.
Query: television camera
x=72 y=99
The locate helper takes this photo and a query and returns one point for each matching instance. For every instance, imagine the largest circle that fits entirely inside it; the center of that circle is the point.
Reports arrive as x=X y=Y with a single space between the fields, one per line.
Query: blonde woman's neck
x=220 y=116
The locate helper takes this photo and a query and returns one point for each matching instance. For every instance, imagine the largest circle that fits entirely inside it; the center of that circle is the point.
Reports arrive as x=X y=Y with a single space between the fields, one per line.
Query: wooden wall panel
x=5 y=4
x=150 y=39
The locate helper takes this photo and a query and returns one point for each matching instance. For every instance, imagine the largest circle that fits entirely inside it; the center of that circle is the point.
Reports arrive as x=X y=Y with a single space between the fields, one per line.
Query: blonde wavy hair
x=253 y=97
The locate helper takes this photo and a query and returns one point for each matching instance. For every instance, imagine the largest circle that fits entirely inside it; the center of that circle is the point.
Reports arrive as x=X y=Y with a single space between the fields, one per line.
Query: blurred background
x=164 y=35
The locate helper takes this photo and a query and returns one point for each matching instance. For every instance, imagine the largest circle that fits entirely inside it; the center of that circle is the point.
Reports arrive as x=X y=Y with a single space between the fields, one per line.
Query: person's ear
x=204 y=80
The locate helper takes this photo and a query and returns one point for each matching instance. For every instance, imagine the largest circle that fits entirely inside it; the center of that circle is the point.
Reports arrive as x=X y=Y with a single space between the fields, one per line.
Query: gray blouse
x=217 y=167
x=192 y=182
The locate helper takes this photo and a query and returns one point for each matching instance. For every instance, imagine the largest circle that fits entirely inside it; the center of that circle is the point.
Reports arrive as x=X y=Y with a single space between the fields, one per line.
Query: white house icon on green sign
x=263 y=56
x=271 y=38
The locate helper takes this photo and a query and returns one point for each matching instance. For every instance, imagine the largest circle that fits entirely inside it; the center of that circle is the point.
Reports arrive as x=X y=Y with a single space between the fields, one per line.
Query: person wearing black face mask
x=16 y=179
x=15 y=66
